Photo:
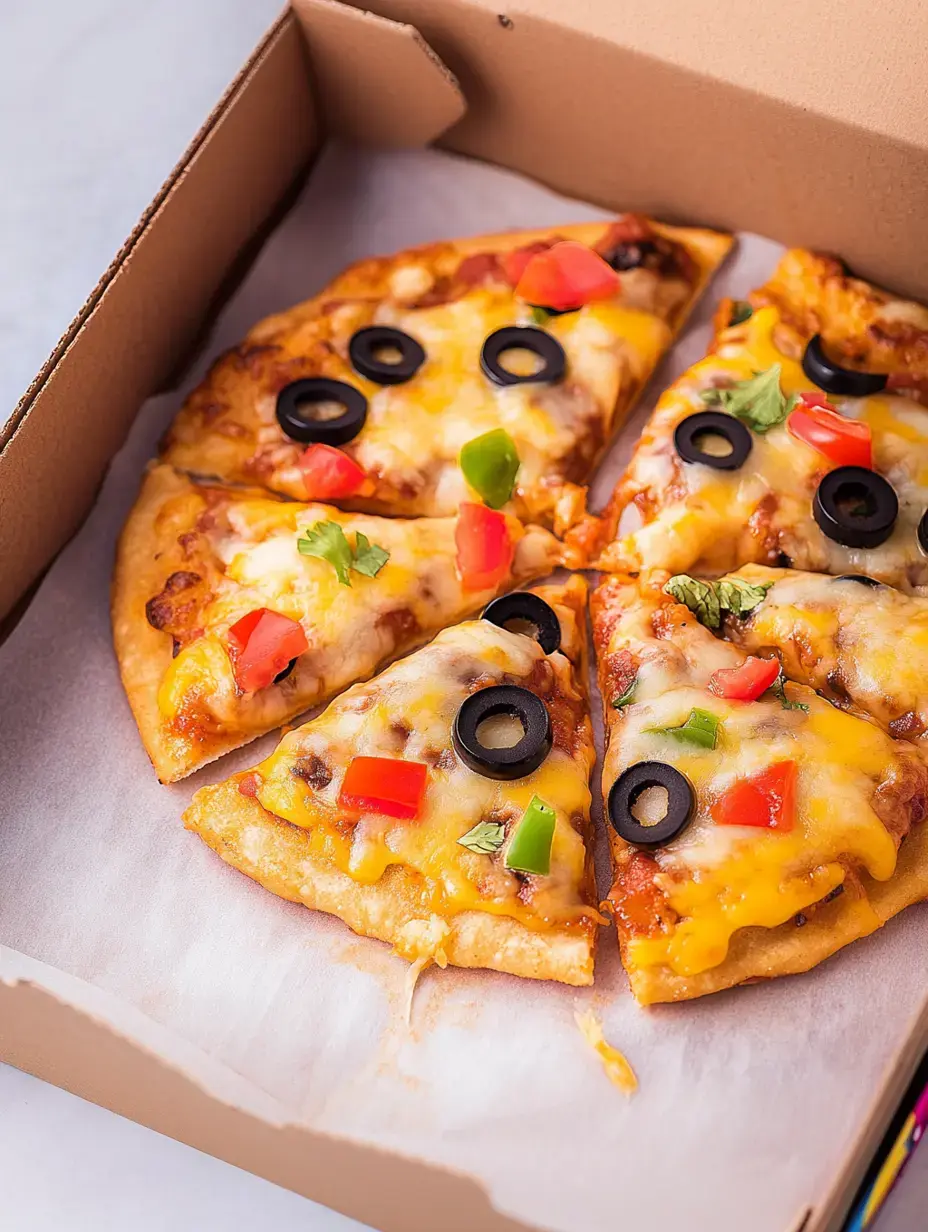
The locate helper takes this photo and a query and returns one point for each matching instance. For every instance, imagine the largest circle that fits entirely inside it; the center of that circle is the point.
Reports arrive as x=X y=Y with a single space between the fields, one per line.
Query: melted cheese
x=351 y=629
x=407 y=712
x=721 y=879
x=616 y=1067
x=708 y=528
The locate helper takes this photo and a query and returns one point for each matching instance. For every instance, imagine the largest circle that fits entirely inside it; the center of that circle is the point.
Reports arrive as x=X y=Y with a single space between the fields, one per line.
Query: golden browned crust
x=765 y=953
x=220 y=432
x=394 y=909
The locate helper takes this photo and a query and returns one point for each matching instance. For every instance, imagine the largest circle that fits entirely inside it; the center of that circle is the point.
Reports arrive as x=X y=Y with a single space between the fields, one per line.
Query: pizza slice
x=494 y=367
x=443 y=806
x=755 y=828
x=802 y=440
x=860 y=643
x=233 y=611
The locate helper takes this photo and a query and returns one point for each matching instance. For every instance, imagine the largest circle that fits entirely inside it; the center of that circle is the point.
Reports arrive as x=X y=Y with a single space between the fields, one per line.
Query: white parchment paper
x=748 y=1100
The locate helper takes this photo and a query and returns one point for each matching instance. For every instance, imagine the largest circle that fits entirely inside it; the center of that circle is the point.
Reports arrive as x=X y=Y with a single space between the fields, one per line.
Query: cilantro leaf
x=369 y=558
x=741 y=311
x=778 y=689
x=485 y=837
x=702 y=598
x=708 y=600
x=627 y=696
x=759 y=400
x=539 y=315
x=740 y=597
x=327 y=540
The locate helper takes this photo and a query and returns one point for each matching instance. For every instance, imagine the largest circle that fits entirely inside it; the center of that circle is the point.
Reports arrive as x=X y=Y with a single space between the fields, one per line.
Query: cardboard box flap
x=408 y=98
x=851 y=62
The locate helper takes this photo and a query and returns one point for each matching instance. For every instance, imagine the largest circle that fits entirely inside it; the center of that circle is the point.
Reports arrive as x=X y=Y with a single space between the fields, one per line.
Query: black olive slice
x=506 y=763
x=310 y=391
x=688 y=432
x=681 y=803
x=922 y=532
x=365 y=352
x=522 y=605
x=834 y=379
x=528 y=338
x=861 y=578
x=855 y=507
x=286 y=672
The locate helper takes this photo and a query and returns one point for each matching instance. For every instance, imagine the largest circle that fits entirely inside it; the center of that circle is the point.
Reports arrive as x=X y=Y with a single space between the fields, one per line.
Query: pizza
x=860 y=643
x=755 y=827
x=800 y=441
x=406 y=809
x=492 y=368
x=235 y=611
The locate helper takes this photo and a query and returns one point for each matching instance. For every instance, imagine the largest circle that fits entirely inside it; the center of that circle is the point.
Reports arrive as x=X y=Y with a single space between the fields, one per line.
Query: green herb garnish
x=702 y=598
x=530 y=848
x=741 y=311
x=328 y=541
x=490 y=464
x=778 y=689
x=701 y=729
x=708 y=600
x=758 y=400
x=485 y=837
x=627 y=696
x=539 y=315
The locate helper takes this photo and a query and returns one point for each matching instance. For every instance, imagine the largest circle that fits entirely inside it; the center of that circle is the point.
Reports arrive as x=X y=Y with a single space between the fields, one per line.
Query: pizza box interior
x=138 y=971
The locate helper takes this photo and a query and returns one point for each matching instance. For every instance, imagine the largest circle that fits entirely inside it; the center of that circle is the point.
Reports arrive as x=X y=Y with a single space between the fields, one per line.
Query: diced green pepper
x=530 y=847
x=701 y=728
x=490 y=464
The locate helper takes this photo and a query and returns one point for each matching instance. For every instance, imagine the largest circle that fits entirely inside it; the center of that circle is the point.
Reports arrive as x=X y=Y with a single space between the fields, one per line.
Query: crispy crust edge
x=274 y=853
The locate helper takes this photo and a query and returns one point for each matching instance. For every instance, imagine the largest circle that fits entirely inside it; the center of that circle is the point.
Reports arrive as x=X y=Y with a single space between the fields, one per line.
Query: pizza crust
x=277 y=855
x=765 y=953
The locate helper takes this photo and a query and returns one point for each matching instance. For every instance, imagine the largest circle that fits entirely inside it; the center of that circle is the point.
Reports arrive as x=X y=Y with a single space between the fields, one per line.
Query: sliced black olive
x=365 y=352
x=855 y=507
x=687 y=436
x=296 y=399
x=632 y=255
x=506 y=763
x=922 y=532
x=528 y=338
x=834 y=379
x=681 y=803
x=286 y=672
x=524 y=606
x=861 y=578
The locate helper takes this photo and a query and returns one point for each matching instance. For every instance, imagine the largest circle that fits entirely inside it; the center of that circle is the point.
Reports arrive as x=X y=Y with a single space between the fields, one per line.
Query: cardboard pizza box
x=789 y=121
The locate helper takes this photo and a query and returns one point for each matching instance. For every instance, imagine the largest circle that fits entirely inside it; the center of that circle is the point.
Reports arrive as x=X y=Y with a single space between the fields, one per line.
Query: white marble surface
x=97 y=102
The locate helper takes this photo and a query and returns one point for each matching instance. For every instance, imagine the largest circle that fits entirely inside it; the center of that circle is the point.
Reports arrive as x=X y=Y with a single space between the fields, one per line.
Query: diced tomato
x=768 y=800
x=567 y=276
x=747 y=682
x=846 y=442
x=484 y=546
x=514 y=262
x=248 y=785
x=261 y=645
x=330 y=474
x=384 y=785
x=815 y=397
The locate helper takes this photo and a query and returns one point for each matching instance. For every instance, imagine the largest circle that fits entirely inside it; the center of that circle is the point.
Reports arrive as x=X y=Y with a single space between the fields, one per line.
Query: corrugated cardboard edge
x=416 y=97
x=150 y=305
x=43 y=1034
x=68 y=337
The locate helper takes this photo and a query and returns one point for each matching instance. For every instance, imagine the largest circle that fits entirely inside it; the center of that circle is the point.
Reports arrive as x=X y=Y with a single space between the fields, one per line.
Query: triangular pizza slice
x=755 y=828
x=860 y=643
x=443 y=806
x=494 y=367
x=234 y=611
x=801 y=440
